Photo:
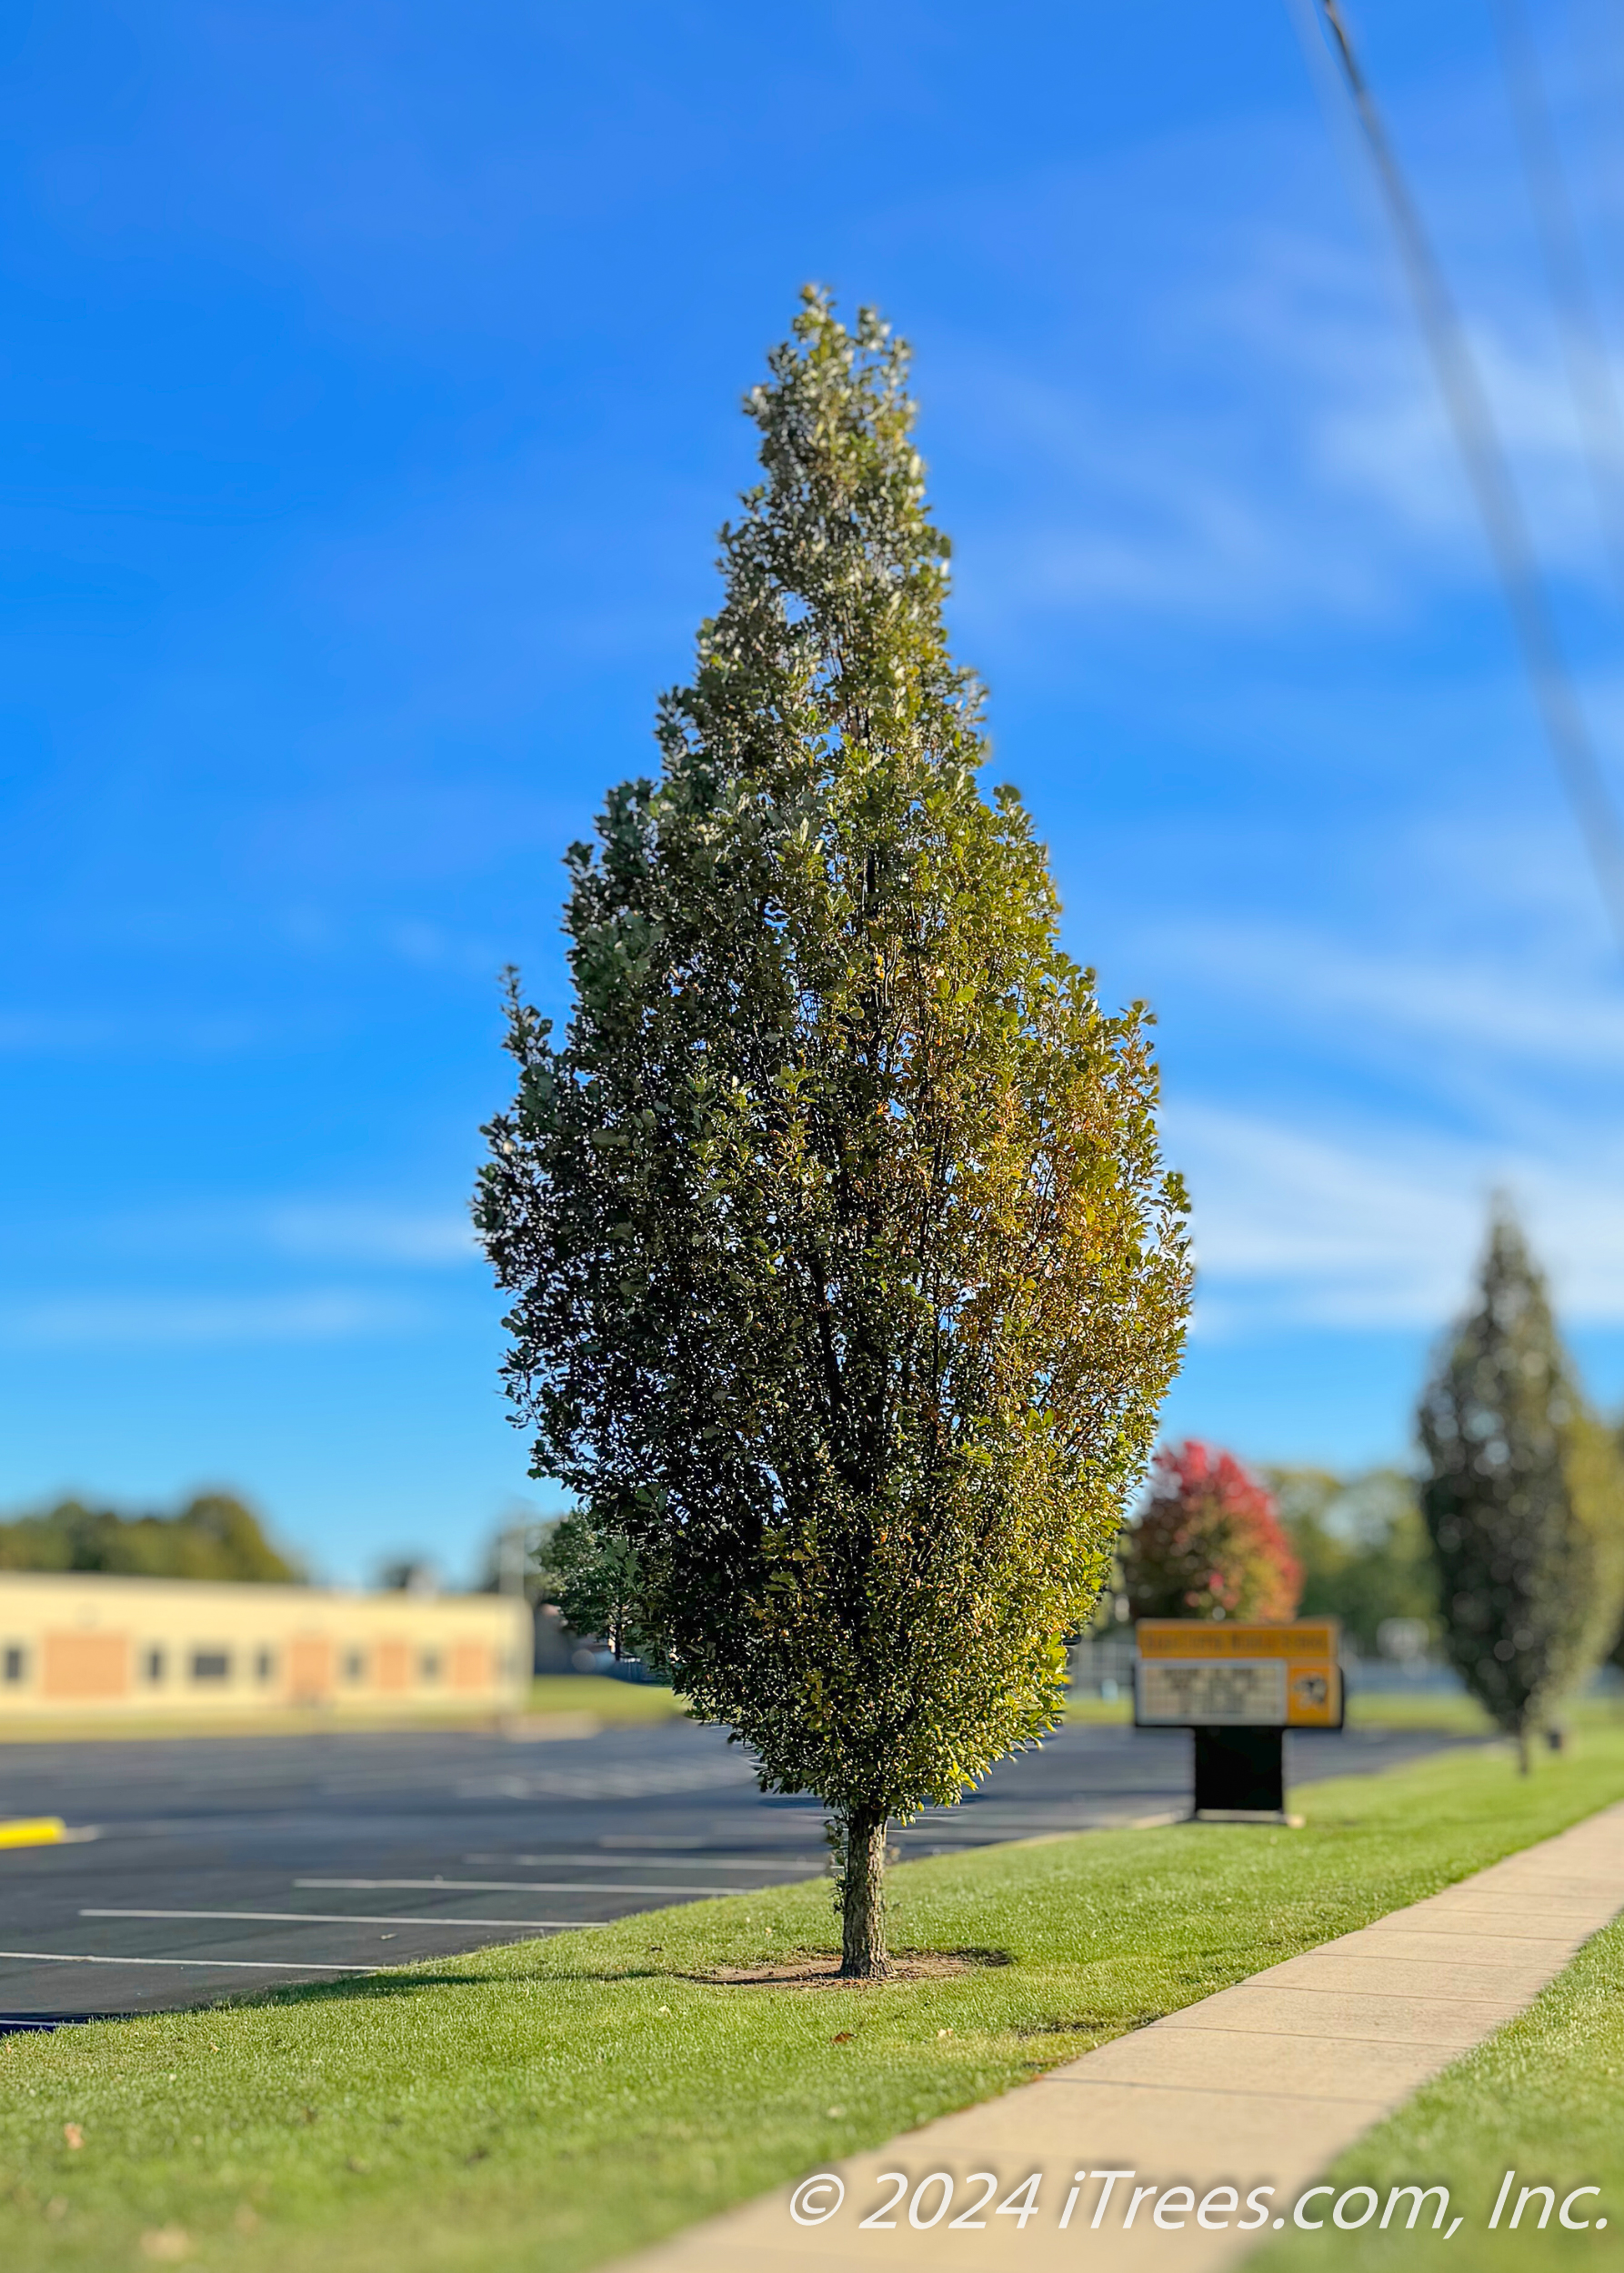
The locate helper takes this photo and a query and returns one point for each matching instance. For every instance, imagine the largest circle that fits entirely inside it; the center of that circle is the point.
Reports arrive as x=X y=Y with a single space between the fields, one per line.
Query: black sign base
x=1240 y=1771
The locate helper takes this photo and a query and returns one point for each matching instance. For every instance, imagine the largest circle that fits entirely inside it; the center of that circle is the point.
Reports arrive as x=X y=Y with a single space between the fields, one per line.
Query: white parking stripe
x=607 y=1782
x=236 y=1965
x=510 y=1886
x=346 y=1917
x=631 y=1862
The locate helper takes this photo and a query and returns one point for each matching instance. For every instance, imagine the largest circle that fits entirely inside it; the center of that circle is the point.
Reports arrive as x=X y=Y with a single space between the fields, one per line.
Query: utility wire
x=1490 y=477
x=1561 y=253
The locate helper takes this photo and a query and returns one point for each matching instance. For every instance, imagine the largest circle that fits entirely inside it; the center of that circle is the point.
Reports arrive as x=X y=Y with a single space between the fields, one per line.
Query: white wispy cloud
x=360 y=1232
x=1304 y=466
x=34 y=1032
x=1463 y=1032
x=1349 y=500
x=152 y=1321
x=1506 y=1011
x=388 y=1235
x=1376 y=1226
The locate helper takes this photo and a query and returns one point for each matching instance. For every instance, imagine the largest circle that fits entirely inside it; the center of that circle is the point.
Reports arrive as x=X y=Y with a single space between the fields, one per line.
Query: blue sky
x=370 y=382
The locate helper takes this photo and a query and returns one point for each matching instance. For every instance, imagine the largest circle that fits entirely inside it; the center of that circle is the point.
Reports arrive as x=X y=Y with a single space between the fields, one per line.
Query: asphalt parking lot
x=203 y=1866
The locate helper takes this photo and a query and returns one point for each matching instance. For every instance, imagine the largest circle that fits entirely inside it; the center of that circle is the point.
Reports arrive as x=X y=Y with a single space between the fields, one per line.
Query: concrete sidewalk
x=1260 y=2086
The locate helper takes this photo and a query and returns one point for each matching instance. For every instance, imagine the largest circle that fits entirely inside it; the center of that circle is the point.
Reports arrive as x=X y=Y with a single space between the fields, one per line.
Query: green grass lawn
x=1368 y=1708
x=612 y=1703
x=1452 y=1713
x=1463 y=1716
x=1543 y=2097
x=560 y=2101
x=615 y=1702
x=1460 y=1716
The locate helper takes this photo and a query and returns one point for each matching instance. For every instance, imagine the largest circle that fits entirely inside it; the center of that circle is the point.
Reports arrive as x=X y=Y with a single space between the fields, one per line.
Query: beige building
x=78 y=1643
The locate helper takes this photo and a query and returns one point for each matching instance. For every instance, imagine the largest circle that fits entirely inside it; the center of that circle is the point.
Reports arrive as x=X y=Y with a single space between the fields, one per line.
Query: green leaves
x=837 y=1223
x=1524 y=1500
x=590 y=1570
x=213 y=1537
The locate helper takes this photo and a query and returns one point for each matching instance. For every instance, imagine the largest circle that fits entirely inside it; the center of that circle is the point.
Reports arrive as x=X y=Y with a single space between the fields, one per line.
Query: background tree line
x=213 y=1535
x=1361 y=1542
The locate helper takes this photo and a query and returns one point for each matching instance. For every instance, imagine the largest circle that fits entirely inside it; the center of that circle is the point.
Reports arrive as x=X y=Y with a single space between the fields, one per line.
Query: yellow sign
x=1199 y=1674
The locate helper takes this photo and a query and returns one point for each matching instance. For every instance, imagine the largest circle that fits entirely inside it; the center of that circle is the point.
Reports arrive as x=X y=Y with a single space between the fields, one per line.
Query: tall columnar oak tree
x=1523 y=1498
x=846 y=1279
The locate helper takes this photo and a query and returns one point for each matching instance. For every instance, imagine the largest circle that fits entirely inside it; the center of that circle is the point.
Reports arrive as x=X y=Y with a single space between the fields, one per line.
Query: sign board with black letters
x=1194 y=1673
x=1239 y=1688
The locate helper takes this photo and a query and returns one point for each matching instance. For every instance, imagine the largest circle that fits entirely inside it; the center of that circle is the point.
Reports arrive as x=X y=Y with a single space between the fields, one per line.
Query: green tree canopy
x=847 y=1278
x=590 y=1574
x=1522 y=1497
x=214 y=1536
x=1363 y=1547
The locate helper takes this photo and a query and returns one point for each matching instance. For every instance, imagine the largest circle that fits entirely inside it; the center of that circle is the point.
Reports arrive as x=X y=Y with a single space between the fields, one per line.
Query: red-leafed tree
x=1208 y=1543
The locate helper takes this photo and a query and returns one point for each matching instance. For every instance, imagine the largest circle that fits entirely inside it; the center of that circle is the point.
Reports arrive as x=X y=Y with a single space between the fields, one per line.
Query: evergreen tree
x=1522 y=1497
x=847 y=1278
x=1208 y=1543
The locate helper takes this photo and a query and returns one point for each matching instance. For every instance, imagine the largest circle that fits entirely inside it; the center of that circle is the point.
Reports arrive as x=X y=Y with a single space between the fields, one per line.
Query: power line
x=1490 y=477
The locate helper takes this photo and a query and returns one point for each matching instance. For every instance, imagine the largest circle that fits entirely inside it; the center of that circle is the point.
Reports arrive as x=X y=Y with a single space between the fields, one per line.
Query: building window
x=211 y=1665
x=16 y=1663
x=265 y=1666
x=354 y=1664
x=152 y=1664
x=428 y=1664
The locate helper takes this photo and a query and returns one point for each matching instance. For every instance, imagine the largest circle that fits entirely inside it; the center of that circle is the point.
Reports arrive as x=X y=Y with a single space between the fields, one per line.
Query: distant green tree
x=1523 y=1498
x=1364 y=1554
x=1207 y=1543
x=1615 y=1656
x=214 y=1536
x=847 y=1277
x=592 y=1576
x=409 y=1574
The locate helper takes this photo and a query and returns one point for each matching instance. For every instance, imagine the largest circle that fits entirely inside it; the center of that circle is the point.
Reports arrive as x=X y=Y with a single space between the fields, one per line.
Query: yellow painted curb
x=32 y=1831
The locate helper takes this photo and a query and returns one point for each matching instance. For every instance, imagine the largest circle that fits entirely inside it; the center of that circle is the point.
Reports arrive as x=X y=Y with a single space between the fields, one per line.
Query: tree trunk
x=862 y=1896
x=1523 y=1761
